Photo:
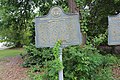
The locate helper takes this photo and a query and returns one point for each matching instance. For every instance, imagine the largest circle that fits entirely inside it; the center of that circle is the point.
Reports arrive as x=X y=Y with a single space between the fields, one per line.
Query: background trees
x=17 y=27
x=16 y=21
x=17 y=16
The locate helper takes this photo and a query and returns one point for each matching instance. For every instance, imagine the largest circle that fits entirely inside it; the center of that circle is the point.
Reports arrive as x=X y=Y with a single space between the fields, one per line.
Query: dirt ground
x=116 y=73
x=11 y=69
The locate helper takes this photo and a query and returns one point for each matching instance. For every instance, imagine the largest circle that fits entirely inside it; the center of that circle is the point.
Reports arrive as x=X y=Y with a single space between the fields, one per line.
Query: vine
x=84 y=21
x=52 y=67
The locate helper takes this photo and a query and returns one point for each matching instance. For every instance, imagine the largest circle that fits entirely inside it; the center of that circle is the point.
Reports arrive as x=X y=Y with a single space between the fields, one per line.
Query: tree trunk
x=74 y=9
x=72 y=6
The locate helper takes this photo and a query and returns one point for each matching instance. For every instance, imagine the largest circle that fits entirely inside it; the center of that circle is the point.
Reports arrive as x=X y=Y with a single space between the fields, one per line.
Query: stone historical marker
x=57 y=26
x=114 y=30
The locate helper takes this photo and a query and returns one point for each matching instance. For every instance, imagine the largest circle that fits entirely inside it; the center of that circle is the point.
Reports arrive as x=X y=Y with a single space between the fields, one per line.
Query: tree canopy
x=17 y=16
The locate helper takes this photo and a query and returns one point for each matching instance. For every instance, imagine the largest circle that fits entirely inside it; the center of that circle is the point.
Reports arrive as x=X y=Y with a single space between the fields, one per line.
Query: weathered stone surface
x=114 y=30
x=57 y=26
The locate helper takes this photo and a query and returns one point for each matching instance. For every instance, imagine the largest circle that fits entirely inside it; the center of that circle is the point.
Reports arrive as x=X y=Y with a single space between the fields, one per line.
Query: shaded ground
x=10 y=69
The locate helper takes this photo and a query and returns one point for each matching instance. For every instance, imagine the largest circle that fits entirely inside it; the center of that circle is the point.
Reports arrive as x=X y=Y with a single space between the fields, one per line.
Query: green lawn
x=10 y=52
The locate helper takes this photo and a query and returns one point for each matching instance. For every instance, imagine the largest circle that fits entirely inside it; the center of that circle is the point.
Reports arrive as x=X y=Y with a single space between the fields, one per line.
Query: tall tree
x=75 y=8
x=72 y=6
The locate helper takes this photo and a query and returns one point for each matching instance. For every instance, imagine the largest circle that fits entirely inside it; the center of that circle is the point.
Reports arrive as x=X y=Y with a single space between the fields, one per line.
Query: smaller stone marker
x=57 y=26
x=114 y=30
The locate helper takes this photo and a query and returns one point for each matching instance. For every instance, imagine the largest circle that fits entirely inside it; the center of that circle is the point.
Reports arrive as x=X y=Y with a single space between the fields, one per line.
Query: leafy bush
x=36 y=56
x=87 y=64
x=79 y=63
x=48 y=66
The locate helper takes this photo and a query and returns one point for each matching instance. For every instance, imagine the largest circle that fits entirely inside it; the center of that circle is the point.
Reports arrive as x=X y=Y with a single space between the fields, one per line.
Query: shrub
x=84 y=63
x=87 y=64
x=48 y=66
x=36 y=56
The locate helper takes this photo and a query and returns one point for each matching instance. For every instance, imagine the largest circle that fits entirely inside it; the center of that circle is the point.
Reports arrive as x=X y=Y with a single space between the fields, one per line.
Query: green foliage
x=55 y=65
x=84 y=15
x=100 y=10
x=56 y=49
x=87 y=64
x=16 y=22
x=79 y=63
x=94 y=16
x=16 y=18
x=104 y=74
x=84 y=21
x=97 y=40
x=36 y=56
x=41 y=61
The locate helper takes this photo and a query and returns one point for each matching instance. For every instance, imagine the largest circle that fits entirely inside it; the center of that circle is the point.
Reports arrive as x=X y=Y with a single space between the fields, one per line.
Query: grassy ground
x=10 y=52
